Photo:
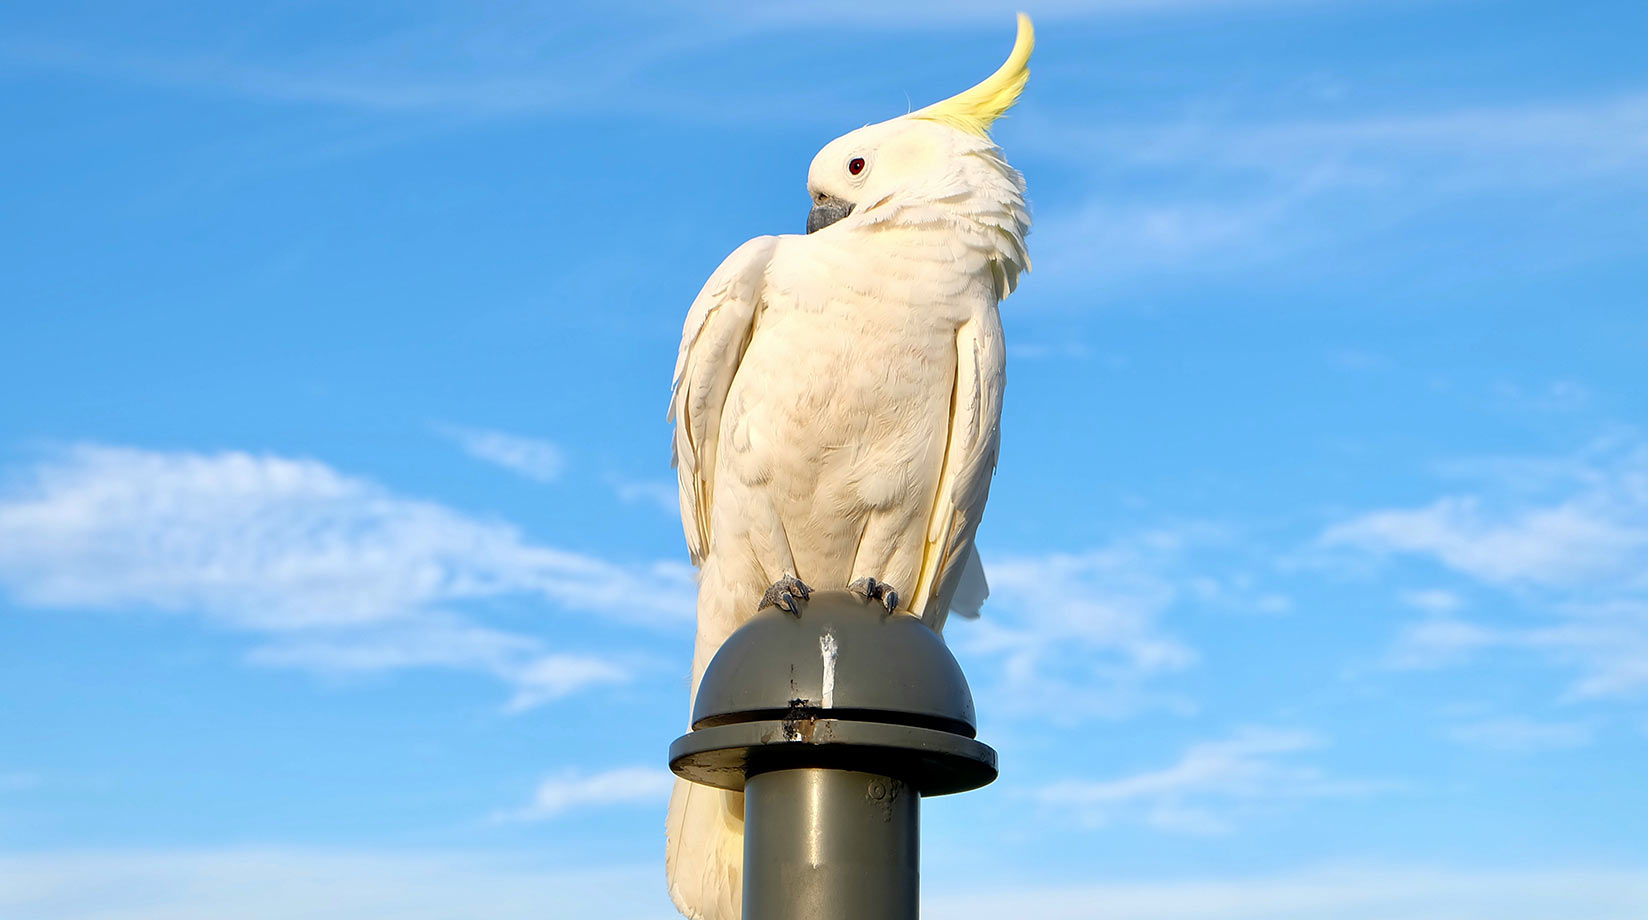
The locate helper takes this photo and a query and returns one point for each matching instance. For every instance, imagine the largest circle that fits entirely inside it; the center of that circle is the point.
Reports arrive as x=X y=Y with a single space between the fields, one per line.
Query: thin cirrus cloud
x=453 y=58
x=573 y=790
x=1521 y=736
x=534 y=458
x=1210 y=788
x=333 y=572
x=270 y=883
x=277 y=883
x=1364 y=891
x=1221 y=194
x=1566 y=538
x=441 y=640
x=1083 y=628
x=659 y=494
x=1089 y=628
x=13 y=781
x=445 y=59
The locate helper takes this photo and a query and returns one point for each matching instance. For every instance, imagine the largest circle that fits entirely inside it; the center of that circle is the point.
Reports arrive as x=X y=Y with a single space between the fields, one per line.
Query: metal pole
x=834 y=724
x=822 y=844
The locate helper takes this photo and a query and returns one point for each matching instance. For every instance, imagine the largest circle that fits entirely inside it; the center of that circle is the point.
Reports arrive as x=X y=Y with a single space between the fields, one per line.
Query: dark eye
x=855 y=165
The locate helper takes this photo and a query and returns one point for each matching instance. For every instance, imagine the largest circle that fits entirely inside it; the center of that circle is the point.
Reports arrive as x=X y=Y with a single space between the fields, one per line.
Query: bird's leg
x=783 y=594
x=868 y=588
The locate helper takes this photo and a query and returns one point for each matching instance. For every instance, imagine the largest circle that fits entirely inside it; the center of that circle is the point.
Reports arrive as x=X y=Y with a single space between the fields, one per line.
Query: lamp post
x=833 y=722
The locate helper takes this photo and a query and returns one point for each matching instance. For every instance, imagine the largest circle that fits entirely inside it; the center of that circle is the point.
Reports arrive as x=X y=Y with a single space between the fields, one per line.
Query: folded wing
x=713 y=340
x=964 y=483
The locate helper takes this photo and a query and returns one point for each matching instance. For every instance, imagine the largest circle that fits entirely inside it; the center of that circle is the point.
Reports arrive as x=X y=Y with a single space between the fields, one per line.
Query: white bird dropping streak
x=826 y=652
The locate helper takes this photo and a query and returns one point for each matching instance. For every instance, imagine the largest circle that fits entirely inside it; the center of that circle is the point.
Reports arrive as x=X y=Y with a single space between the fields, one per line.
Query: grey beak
x=827 y=212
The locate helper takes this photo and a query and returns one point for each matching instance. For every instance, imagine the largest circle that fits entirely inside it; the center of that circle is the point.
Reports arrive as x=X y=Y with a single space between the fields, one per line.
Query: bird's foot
x=868 y=588
x=783 y=594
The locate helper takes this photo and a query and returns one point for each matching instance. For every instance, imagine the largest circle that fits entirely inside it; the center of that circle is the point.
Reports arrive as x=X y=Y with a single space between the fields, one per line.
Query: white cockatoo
x=837 y=403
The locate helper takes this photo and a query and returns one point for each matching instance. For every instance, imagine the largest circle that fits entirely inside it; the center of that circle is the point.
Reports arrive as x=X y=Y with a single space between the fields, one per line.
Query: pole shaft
x=824 y=844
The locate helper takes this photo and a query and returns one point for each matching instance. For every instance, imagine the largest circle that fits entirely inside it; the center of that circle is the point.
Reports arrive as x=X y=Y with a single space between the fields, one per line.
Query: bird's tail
x=704 y=852
x=704 y=855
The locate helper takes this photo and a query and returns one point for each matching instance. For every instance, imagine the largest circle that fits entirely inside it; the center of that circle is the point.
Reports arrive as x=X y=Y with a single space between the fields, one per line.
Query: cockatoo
x=837 y=403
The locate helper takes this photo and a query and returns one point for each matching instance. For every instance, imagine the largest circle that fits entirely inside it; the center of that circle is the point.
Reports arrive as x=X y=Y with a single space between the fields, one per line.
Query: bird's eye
x=855 y=165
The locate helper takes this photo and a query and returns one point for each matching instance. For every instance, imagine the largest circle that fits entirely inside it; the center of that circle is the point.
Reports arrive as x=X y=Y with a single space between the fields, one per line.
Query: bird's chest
x=839 y=384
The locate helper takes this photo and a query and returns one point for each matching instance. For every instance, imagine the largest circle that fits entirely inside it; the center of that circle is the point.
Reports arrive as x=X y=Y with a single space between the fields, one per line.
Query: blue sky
x=340 y=574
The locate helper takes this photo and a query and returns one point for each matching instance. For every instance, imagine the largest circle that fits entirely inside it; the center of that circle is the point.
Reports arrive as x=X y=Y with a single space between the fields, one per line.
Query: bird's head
x=942 y=153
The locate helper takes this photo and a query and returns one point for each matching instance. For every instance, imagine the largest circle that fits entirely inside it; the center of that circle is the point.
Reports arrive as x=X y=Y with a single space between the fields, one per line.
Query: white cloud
x=1088 y=629
x=533 y=458
x=505 y=60
x=1218 y=195
x=1607 y=645
x=320 y=884
x=16 y=780
x=451 y=60
x=1350 y=892
x=661 y=494
x=1432 y=600
x=1524 y=143
x=1520 y=735
x=1439 y=641
x=1133 y=236
x=275 y=543
x=440 y=640
x=1213 y=784
x=570 y=790
x=336 y=572
x=271 y=883
x=1567 y=538
x=1573 y=543
x=1082 y=628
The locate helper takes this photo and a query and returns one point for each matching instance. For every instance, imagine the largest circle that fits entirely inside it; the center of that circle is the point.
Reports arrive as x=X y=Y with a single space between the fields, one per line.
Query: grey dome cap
x=843 y=685
x=842 y=657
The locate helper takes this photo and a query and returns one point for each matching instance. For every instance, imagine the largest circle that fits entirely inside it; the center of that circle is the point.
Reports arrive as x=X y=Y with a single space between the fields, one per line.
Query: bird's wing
x=969 y=461
x=713 y=340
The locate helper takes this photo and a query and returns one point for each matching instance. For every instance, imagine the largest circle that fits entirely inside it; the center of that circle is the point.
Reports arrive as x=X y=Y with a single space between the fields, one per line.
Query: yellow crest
x=976 y=109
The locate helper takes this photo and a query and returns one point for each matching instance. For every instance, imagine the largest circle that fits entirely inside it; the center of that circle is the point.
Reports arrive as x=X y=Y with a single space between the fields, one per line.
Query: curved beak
x=827 y=212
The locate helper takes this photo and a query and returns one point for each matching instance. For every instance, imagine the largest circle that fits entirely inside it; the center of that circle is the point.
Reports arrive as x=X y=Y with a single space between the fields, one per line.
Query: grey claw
x=868 y=588
x=783 y=594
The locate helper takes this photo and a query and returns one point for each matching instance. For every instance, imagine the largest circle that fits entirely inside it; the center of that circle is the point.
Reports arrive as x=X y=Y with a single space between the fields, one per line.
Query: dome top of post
x=842 y=656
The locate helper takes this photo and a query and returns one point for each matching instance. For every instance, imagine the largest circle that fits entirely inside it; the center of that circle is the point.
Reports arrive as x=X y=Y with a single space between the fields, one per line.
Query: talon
x=869 y=588
x=783 y=594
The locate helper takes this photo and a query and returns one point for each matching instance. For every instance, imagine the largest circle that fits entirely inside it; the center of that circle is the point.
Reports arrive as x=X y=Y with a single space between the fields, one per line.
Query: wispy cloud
x=441 y=640
x=16 y=779
x=334 y=571
x=271 y=883
x=1081 y=628
x=455 y=58
x=1433 y=600
x=1210 y=787
x=442 y=58
x=659 y=493
x=1566 y=538
x=1088 y=628
x=1607 y=645
x=274 y=883
x=926 y=14
x=533 y=458
x=1572 y=543
x=571 y=790
x=1366 y=891
x=1518 y=735
x=1214 y=194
